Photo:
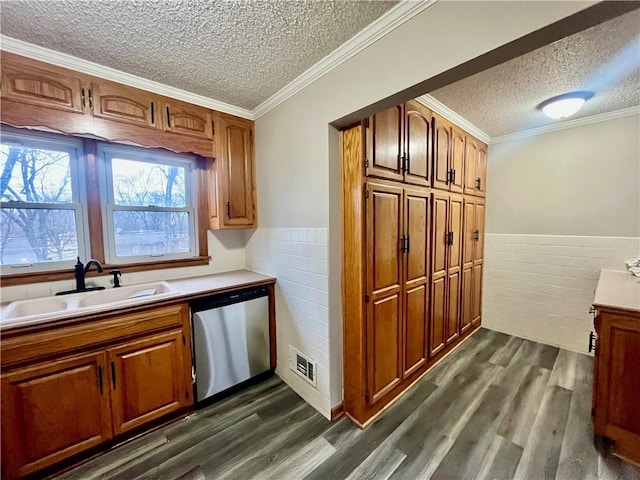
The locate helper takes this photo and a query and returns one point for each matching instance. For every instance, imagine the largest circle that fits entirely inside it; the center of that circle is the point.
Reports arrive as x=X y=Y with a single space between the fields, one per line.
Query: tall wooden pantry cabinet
x=413 y=229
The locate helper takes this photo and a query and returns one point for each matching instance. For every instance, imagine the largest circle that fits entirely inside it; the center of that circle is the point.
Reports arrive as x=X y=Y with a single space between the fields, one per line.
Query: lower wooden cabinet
x=53 y=410
x=56 y=407
x=616 y=386
x=147 y=380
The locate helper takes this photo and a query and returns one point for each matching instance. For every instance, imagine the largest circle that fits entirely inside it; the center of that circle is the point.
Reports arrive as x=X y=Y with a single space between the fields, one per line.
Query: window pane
x=34 y=175
x=37 y=235
x=147 y=233
x=143 y=184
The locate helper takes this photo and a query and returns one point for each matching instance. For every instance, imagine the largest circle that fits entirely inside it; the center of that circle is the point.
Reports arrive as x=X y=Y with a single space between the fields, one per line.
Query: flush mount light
x=564 y=105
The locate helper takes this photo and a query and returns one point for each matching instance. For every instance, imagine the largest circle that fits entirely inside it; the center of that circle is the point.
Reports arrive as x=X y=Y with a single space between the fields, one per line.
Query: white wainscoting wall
x=540 y=287
x=298 y=258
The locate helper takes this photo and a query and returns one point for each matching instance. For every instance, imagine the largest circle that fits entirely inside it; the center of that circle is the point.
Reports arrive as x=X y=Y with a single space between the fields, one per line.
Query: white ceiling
x=604 y=59
x=238 y=52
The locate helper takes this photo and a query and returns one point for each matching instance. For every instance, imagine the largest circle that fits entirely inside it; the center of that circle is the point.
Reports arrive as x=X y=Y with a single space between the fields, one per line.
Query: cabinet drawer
x=90 y=334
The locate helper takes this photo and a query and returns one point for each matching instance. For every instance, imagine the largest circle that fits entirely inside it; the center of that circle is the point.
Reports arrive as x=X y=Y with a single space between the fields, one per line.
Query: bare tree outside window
x=38 y=219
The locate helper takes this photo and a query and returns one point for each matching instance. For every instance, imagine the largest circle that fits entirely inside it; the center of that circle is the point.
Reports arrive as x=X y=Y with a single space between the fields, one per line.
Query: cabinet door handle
x=84 y=100
x=453 y=176
x=476 y=235
x=90 y=99
x=168 y=117
x=100 y=384
x=153 y=113
x=478 y=183
x=407 y=244
x=450 y=238
x=228 y=208
x=113 y=374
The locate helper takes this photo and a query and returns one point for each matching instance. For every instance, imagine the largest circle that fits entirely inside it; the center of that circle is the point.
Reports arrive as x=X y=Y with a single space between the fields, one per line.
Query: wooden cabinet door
x=35 y=83
x=481 y=170
x=477 y=294
x=418 y=127
x=383 y=142
x=148 y=380
x=454 y=270
x=236 y=175
x=456 y=167
x=384 y=276
x=470 y=166
x=440 y=230
x=442 y=152
x=478 y=247
x=112 y=101
x=468 y=249
x=617 y=415
x=417 y=207
x=52 y=411
x=187 y=119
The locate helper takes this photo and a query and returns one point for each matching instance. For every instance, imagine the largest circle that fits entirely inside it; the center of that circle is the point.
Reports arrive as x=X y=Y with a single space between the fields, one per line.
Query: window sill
x=67 y=274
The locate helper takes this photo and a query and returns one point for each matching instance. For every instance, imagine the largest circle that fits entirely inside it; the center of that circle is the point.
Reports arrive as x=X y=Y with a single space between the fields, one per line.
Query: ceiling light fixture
x=565 y=105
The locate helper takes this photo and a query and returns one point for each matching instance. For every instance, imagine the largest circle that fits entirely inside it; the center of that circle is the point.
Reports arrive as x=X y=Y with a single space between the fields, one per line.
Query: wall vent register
x=303 y=366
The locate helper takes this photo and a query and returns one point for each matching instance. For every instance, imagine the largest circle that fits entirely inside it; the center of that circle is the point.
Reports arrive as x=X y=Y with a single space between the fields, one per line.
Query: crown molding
x=395 y=17
x=36 y=52
x=441 y=109
x=578 y=122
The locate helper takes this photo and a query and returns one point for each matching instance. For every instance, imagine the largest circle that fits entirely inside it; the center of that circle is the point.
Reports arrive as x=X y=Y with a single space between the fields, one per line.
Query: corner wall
x=296 y=151
x=560 y=207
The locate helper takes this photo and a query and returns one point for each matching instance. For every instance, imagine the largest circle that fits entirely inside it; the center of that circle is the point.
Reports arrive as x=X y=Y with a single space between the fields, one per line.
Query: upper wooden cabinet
x=187 y=119
x=475 y=164
x=34 y=83
x=119 y=103
x=37 y=94
x=384 y=144
x=418 y=144
x=448 y=157
x=399 y=144
x=232 y=193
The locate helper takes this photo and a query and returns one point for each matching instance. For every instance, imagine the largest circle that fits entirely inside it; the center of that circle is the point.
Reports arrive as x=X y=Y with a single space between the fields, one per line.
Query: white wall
x=560 y=207
x=295 y=147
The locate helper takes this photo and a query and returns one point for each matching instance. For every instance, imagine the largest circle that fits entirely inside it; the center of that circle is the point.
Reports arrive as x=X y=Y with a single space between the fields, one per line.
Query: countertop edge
x=85 y=317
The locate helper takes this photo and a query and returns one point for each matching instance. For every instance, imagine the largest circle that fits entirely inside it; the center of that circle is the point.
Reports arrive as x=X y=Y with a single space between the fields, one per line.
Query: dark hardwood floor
x=498 y=408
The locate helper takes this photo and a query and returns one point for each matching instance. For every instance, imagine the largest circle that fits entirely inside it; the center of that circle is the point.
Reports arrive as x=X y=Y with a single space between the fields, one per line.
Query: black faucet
x=81 y=271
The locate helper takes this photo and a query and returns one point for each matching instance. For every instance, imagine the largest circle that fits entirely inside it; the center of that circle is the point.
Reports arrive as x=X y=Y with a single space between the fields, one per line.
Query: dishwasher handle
x=228 y=298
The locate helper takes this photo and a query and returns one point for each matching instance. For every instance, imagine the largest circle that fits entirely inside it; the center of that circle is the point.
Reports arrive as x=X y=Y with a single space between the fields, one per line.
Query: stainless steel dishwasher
x=230 y=341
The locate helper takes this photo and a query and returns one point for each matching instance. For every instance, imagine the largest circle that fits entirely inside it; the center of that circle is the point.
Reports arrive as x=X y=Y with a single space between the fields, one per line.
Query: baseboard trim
x=337 y=412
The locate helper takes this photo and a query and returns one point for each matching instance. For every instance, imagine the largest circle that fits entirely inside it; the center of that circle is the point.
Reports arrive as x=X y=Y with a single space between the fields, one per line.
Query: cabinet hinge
x=366 y=299
x=366 y=163
x=366 y=194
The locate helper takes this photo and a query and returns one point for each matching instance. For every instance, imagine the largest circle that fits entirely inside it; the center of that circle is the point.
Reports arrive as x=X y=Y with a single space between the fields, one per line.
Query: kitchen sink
x=54 y=307
x=35 y=306
x=129 y=294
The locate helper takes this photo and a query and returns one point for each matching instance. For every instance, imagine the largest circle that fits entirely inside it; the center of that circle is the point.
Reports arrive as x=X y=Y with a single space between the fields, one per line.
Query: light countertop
x=184 y=289
x=618 y=289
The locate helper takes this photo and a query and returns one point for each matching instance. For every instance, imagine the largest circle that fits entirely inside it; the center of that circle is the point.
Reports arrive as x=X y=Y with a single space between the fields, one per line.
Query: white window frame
x=106 y=152
x=73 y=146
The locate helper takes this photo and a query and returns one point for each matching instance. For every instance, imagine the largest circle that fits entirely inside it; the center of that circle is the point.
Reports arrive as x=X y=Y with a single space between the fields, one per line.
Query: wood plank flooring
x=499 y=407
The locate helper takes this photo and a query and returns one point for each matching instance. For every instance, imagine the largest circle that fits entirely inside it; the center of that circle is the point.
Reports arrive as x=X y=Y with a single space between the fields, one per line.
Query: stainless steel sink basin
x=54 y=307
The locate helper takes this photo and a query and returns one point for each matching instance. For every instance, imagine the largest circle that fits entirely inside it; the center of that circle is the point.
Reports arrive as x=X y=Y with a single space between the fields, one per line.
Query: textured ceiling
x=604 y=59
x=239 y=52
